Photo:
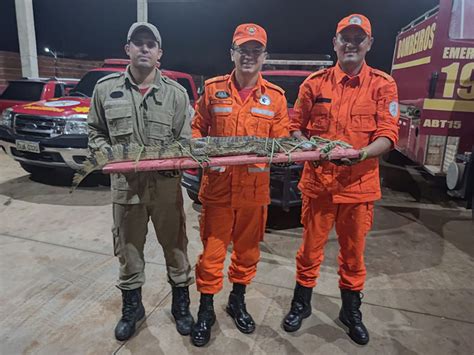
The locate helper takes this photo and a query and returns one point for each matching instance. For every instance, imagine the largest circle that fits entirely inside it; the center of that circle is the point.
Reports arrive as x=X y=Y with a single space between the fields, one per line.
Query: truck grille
x=39 y=126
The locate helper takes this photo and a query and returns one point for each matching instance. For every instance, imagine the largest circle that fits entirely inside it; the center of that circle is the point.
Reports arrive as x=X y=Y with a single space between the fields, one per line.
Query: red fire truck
x=433 y=65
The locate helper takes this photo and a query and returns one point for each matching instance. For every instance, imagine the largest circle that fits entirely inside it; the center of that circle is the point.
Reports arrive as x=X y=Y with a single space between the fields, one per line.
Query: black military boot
x=351 y=316
x=300 y=308
x=201 y=330
x=237 y=310
x=132 y=312
x=180 y=310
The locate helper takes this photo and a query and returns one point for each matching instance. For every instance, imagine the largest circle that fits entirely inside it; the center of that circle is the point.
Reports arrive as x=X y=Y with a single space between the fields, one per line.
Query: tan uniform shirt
x=120 y=114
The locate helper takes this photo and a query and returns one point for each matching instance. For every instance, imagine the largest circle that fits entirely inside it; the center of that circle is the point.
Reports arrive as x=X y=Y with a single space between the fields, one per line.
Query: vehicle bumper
x=59 y=152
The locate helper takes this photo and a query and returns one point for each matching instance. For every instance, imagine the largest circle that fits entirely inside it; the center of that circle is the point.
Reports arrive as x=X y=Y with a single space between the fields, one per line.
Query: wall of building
x=10 y=67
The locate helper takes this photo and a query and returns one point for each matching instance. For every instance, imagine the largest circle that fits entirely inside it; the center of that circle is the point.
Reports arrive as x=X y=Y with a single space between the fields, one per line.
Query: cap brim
x=143 y=27
x=354 y=25
x=248 y=39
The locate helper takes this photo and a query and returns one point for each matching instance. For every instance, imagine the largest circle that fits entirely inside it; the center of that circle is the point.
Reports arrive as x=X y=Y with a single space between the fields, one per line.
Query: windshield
x=291 y=85
x=86 y=86
x=461 y=26
x=23 y=91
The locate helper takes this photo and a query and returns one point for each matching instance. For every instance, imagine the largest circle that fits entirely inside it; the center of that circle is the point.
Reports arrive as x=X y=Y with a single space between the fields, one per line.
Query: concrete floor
x=57 y=276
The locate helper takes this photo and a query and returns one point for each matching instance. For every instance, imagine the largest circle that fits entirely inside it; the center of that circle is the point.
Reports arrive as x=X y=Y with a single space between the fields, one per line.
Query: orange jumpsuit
x=357 y=110
x=235 y=199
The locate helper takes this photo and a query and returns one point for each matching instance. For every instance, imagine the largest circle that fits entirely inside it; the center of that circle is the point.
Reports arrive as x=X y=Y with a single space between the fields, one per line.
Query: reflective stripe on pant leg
x=130 y=229
x=353 y=222
x=318 y=217
x=216 y=227
x=167 y=214
x=249 y=228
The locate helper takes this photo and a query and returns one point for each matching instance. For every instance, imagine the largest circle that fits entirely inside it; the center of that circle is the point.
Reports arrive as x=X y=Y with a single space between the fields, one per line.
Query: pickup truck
x=52 y=134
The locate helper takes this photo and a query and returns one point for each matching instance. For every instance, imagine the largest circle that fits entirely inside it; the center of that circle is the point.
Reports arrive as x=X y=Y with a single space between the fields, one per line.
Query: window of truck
x=291 y=85
x=23 y=91
x=461 y=26
x=85 y=87
x=58 y=90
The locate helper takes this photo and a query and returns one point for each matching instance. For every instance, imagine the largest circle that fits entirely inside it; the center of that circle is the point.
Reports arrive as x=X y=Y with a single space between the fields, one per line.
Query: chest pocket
x=261 y=120
x=119 y=118
x=159 y=123
x=220 y=112
x=363 y=118
x=320 y=120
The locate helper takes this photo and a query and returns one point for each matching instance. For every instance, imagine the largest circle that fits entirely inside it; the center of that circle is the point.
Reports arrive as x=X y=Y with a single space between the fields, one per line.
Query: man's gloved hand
x=353 y=161
x=169 y=173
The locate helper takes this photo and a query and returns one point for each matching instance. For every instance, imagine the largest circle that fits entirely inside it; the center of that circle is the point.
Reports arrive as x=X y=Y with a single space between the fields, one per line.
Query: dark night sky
x=197 y=33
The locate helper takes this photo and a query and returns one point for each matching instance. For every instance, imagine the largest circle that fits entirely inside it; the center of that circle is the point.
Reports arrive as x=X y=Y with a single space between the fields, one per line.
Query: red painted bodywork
x=444 y=113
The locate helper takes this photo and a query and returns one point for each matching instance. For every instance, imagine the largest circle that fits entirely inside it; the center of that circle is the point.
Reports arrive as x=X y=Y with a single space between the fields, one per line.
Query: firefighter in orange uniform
x=357 y=104
x=234 y=199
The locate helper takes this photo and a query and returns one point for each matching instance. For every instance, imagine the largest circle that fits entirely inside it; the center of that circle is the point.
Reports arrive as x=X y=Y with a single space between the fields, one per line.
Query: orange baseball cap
x=249 y=32
x=355 y=20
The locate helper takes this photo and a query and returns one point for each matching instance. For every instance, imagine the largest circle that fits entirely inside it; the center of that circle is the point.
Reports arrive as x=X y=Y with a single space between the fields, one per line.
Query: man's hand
x=352 y=161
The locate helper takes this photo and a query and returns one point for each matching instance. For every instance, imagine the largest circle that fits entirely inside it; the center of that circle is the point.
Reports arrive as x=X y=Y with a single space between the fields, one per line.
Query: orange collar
x=258 y=89
x=340 y=75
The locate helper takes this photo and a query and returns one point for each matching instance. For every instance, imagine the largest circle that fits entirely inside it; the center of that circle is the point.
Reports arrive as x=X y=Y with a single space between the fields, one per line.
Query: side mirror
x=200 y=90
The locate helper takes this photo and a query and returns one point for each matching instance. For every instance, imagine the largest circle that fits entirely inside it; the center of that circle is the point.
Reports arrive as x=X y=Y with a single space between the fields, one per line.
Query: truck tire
x=193 y=196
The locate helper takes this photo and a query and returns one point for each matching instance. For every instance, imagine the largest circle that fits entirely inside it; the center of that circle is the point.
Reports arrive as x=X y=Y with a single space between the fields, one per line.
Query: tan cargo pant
x=131 y=227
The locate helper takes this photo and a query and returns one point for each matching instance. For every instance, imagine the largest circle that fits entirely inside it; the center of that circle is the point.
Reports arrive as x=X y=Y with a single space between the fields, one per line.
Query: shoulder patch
x=382 y=74
x=274 y=87
x=110 y=76
x=317 y=73
x=217 y=79
x=173 y=83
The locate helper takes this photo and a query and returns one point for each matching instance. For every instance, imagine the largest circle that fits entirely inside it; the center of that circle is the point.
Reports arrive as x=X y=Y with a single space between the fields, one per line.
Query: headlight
x=7 y=118
x=76 y=124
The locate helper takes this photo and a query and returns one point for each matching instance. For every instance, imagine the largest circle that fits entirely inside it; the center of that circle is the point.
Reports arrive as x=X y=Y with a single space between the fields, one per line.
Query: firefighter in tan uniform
x=142 y=106
x=235 y=199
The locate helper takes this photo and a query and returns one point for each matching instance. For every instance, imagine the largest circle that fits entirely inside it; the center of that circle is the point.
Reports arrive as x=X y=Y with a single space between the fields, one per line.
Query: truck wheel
x=193 y=196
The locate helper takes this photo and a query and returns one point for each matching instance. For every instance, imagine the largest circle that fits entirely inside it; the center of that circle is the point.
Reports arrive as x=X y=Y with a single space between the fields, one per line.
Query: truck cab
x=34 y=89
x=433 y=65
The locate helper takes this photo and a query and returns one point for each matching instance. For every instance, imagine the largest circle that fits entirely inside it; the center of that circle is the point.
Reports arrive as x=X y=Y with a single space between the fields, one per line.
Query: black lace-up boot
x=180 y=310
x=132 y=312
x=238 y=311
x=201 y=330
x=300 y=308
x=351 y=316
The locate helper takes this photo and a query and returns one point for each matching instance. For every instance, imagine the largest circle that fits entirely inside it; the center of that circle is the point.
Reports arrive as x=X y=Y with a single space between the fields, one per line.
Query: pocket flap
x=114 y=112
x=364 y=110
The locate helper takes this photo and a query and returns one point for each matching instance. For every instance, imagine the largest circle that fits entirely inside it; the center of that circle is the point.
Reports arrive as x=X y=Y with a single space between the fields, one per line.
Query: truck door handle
x=433 y=83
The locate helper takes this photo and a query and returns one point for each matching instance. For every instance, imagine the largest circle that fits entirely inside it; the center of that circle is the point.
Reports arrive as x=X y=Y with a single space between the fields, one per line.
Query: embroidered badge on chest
x=265 y=100
x=116 y=94
x=222 y=94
